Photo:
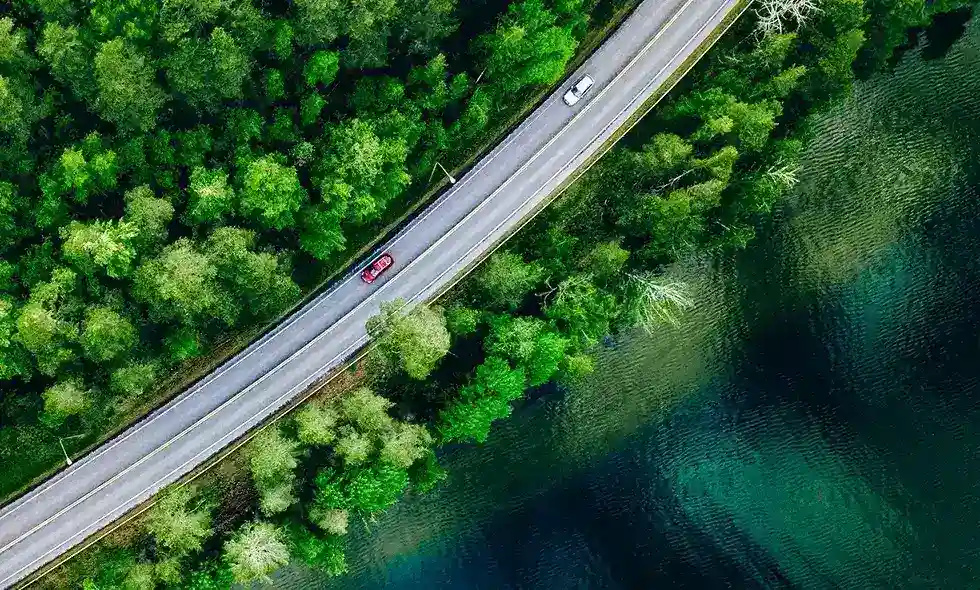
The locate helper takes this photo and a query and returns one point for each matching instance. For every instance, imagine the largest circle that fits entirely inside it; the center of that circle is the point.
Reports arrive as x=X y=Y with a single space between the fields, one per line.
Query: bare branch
x=775 y=16
x=657 y=303
x=782 y=175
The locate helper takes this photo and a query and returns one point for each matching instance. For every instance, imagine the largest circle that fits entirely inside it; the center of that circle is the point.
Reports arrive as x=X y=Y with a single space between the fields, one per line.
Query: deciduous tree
x=65 y=398
x=416 y=341
x=127 y=92
x=107 y=334
x=179 y=522
x=321 y=68
x=271 y=193
x=316 y=423
x=133 y=379
x=527 y=48
x=505 y=280
x=181 y=284
x=255 y=551
x=376 y=488
x=150 y=217
x=366 y=410
x=100 y=245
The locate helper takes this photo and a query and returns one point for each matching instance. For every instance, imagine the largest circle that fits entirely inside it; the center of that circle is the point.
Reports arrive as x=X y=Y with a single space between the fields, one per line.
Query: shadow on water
x=813 y=423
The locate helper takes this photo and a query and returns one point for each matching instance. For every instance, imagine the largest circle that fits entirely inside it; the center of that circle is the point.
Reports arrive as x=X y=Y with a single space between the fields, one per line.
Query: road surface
x=491 y=199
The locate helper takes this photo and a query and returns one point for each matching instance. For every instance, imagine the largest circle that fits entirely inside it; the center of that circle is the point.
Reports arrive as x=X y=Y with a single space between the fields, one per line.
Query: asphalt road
x=491 y=199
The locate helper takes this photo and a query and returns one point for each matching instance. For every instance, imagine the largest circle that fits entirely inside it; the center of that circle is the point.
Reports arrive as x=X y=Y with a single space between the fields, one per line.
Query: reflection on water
x=812 y=424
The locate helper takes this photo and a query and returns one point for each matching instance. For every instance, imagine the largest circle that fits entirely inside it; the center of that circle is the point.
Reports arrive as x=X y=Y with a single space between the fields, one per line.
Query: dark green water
x=812 y=424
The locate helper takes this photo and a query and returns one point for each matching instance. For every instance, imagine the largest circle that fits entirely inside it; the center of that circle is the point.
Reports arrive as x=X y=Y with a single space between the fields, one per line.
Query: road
x=454 y=232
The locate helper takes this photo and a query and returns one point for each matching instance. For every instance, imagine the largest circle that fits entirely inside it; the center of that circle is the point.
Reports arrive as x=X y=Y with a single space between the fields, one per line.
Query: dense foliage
x=694 y=178
x=175 y=171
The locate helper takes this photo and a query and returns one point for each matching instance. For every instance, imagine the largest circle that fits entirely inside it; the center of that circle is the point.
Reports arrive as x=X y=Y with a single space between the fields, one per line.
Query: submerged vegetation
x=692 y=179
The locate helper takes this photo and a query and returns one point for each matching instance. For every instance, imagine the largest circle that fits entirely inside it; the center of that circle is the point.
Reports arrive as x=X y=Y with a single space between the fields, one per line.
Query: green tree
x=150 y=217
x=324 y=553
x=332 y=520
x=368 y=28
x=322 y=234
x=422 y=24
x=176 y=525
x=277 y=498
x=605 y=260
x=318 y=22
x=65 y=398
x=361 y=172
x=462 y=321
x=275 y=85
x=100 y=245
x=140 y=577
x=255 y=551
x=282 y=40
x=271 y=193
x=315 y=423
x=127 y=93
x=63 y=49
x=11 y=203
x=229 y=62
x=14 y=359
x=107 y=334
x=180 y=284
x=583 y=310
x=366 y=410
x=133 y=379
x=514 y=337
x=404 y=444
x=719 y=164
x=321 y=68
x=426 y=473
x=472 y=123
x=11 y=106
x=353 y=446
x=273 y=461
x=178 y=18
x=259 y=280
x=81 y=171
x=376 y=488
x=204 y=73
x=209 y=196
x=310 y=108
x=466 y=420
x=46 y=324
x=575 y=367
x=527 y=48
x=210 y=575
x=271 y=455
x=416 y=341
x=505 y=280
x=495 y=378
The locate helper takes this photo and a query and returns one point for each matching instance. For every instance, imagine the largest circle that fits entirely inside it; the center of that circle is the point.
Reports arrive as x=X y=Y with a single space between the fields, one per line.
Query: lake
x=813 y=423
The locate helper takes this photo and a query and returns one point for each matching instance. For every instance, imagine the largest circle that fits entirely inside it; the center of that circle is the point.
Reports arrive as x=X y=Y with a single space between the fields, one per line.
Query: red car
x=380 y=264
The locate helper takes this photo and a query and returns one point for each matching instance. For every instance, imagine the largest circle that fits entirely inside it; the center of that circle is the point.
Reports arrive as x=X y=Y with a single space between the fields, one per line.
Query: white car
x=575 y=93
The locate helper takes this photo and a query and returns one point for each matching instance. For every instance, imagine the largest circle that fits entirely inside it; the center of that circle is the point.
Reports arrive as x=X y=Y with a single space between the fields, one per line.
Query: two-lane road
x=462 y=225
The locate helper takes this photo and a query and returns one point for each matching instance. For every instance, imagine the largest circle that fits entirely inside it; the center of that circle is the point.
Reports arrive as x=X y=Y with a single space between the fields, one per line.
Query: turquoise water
x=813 y=423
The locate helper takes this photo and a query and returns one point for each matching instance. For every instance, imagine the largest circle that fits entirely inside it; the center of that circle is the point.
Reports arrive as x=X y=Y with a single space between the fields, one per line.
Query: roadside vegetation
x=176 y=173
x=694 y=178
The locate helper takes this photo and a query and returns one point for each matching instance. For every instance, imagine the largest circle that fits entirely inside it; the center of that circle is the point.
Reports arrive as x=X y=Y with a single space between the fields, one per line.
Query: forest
x=175 y=172
x=695 y=177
